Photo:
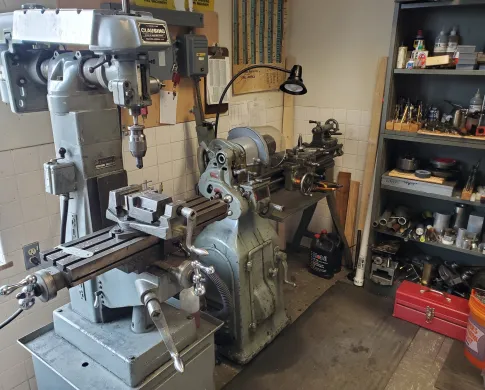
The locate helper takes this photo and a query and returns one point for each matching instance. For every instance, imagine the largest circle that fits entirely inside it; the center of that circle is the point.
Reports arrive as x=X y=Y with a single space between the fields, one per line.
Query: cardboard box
x=438 y=60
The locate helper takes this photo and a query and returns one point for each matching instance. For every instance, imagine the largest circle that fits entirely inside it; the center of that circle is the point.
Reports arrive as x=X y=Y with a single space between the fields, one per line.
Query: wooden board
x=420 y=366
x=289 y=113
x=467 y=137
x=342 y=195
x=6 y=266
x=352 y=212
x=185 y=92
x=411 y=176
x=375 y=126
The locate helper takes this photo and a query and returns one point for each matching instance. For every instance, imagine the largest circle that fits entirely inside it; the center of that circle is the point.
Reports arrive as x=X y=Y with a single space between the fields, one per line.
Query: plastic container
x=441 y=43
x=453 y=42
x=476 y=103
x=326 y=255
x=419 y=43
x=475 y=333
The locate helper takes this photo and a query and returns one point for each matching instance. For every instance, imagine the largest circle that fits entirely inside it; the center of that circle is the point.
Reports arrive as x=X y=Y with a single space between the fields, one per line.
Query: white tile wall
x=355 y=127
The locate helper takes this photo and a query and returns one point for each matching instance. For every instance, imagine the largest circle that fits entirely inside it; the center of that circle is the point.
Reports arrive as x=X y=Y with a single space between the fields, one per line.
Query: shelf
x=433 y=196
x=449 y=3
x=451 y=248
x=432 y=139
x=440 y=72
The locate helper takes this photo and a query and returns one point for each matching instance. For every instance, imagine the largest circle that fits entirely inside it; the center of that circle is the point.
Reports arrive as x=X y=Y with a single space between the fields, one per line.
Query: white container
x=441 y=43
x=453 y=41
x=476 y=103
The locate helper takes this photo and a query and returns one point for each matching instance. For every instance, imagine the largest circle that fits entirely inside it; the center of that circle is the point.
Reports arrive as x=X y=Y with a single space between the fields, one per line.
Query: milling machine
x=120 y=253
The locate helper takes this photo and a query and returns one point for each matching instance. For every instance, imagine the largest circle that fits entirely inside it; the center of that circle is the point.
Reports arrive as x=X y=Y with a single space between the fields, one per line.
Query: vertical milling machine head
x=120 y=44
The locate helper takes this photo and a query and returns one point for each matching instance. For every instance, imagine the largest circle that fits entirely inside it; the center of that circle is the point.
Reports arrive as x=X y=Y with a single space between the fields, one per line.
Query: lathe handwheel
x=335 y=125
x=306 y=185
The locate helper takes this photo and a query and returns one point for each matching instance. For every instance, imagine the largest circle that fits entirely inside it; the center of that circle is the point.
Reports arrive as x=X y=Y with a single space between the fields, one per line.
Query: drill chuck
x=138 y=144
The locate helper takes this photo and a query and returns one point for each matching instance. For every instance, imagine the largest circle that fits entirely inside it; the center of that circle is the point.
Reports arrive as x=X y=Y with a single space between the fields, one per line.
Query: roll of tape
x=422 y=174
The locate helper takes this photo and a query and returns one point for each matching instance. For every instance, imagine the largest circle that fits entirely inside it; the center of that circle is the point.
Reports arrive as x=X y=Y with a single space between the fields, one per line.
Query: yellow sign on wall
x=156 y=3
x=198 y=5
x=204 y=5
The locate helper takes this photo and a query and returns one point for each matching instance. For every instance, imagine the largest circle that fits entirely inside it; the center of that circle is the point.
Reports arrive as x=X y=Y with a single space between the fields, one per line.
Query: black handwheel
x=334 y=124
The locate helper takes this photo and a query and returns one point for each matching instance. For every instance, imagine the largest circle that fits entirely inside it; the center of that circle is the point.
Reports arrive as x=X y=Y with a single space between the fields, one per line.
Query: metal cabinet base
x=244 y=254
x=61 y=366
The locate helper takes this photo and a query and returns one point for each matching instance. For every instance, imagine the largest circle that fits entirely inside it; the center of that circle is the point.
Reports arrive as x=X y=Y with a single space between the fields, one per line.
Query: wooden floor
x=419 y=367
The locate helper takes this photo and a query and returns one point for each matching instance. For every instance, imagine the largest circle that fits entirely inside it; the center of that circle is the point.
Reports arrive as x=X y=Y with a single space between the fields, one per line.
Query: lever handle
x=430 y=290
x=97 y=300
x=106 y=59
x=156 y=314
x=191 y=217
x=198 y=279
x=29 y=280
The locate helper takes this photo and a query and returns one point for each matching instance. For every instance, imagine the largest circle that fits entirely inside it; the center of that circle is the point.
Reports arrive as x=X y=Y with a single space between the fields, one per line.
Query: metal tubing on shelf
x=384 y=218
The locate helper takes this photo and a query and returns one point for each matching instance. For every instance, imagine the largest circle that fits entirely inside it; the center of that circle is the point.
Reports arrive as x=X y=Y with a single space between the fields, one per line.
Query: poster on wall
x=181 y=5
x=259 y=28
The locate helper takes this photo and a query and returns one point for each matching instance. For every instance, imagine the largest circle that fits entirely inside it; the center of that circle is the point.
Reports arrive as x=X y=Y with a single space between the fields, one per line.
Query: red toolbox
x=431 y=309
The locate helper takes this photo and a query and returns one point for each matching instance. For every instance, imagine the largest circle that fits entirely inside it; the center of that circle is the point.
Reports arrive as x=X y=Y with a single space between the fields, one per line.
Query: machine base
x=61 y=366
x=130 y=356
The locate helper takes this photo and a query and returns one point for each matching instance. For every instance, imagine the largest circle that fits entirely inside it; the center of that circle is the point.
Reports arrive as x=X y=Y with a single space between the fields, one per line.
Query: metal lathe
x=127 y=251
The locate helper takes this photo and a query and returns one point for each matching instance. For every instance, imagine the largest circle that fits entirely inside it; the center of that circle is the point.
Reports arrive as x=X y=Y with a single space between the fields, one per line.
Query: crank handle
x=191 y=217
x=29 y=280
x=198 y=278
x=156 y=314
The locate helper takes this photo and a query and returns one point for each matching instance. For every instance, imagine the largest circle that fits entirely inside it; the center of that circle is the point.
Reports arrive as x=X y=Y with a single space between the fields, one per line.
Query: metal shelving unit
x=433 y=86
x=453 y=199
x=440 y=72
x=433 y=139
x=477 y=258
x=441 y=3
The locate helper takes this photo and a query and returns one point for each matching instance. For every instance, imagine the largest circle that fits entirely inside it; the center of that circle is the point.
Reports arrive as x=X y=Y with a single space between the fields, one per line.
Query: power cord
x=11 y=318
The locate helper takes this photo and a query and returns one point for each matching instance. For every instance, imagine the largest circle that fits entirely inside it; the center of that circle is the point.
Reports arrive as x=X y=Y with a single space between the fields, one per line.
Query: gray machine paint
x=61 y=366
x=92 y=343
x=246 y=256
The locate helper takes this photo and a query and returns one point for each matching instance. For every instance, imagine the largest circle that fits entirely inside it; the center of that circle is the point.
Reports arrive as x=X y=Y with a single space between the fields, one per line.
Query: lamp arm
x=221 y=100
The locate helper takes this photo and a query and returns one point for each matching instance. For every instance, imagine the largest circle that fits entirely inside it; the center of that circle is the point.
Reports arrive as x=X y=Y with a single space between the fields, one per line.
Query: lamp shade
x=294 y=84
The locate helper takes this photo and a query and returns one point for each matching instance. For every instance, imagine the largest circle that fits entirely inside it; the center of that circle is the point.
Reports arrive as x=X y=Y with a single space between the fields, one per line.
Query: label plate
x=153 y=32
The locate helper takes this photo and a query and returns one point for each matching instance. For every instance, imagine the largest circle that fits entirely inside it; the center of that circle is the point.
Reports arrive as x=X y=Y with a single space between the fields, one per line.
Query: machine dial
x=306 y=184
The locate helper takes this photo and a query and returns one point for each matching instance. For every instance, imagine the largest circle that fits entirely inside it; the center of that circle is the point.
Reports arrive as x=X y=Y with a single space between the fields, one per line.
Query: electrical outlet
x=31 y=255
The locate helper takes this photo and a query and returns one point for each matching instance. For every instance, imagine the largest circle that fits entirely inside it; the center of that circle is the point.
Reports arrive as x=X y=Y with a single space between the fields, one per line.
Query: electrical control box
x=60 y=178
x=193 y=55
